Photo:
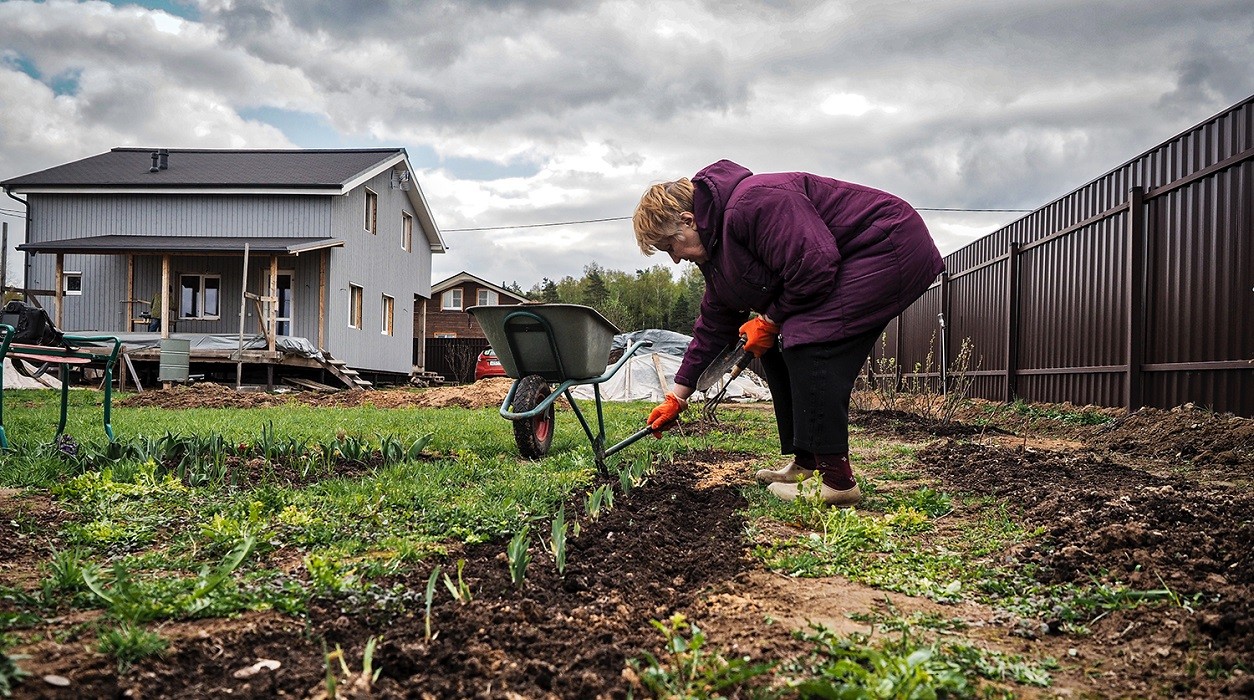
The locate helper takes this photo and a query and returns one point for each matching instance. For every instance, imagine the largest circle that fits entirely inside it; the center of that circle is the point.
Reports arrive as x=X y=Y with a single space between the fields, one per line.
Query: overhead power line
x=552 y=223
x=14 y=212
x=625 y=218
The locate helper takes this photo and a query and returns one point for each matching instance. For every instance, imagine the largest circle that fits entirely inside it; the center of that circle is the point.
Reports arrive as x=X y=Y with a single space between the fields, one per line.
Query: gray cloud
x=580 y=105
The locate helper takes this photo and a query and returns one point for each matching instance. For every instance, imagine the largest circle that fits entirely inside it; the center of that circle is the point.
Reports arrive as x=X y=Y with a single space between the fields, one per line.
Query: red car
x=488 y=365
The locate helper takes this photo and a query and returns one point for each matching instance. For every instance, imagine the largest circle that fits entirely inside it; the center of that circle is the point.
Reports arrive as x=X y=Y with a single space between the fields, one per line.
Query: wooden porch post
x=58 y=295
x=165 y=296
x=273 y=312
x=130 y=296
x=322 y=299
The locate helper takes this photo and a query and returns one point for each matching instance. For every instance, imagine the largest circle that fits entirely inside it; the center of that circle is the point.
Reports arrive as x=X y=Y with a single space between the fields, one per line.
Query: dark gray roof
x=126 y=168
x=111 y=245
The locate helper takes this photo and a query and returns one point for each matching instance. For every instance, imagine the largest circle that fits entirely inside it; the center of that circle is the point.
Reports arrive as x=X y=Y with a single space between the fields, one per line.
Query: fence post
x=1012 y=319
x=1133 y=385
x=897 y=362
x=944 y=335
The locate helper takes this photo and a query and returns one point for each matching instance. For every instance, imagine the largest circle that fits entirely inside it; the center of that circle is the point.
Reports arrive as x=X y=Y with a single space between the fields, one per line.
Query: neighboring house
x=453 y=337
x=339 y=240
x=444 y=314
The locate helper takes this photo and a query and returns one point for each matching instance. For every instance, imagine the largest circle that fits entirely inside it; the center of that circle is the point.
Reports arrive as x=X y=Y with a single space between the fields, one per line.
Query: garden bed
x=1136 y=531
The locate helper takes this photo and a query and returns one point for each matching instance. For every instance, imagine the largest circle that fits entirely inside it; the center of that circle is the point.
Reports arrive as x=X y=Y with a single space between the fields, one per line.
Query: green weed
x=129 y=643
x=557 y=541
x=460 y=591
x=10 y=673
x=1064 y=415
x=428 y=598
x=358 y=682
x=133 y=602
x=906 y=667
x=690 y=670
x=925 y=499
x=519 y=555
x=328 y=576
x=65 y=573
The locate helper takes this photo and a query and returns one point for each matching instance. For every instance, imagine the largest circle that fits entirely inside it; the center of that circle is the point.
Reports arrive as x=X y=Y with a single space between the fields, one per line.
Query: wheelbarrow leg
x=597 y=439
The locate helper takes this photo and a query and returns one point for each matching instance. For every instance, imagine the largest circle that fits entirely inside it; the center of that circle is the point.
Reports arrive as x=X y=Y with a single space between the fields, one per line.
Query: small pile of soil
x=914 y=427
x=1184 y=433
x=202 y=395
x=485 y=393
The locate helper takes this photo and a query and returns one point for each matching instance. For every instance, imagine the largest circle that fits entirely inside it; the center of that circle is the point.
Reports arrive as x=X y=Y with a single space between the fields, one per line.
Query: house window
x=354 y=306
x=73 y=282
x=372 y=212
x=451 y=300
x=407 y=232
x=385 y=324
x=199 y=296
x=487 y=297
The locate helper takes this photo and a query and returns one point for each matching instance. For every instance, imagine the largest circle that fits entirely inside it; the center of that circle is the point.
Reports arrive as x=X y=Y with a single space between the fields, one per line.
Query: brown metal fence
x=454 y=358
x=1136 y=289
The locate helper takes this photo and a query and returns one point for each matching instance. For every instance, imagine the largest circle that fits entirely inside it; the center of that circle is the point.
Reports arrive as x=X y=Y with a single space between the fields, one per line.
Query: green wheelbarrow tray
x=541 y=345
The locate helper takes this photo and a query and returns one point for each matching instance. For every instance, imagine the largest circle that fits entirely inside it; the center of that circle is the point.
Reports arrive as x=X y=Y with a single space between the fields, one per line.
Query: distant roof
x=102 y=245
x=128 y=168
x=464 y=276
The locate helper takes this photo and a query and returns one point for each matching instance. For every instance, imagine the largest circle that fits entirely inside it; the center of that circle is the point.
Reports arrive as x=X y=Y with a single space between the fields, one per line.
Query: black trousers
x=810 y=387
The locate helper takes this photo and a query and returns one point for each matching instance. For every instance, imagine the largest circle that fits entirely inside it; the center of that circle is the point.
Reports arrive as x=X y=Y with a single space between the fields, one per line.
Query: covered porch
x=188 y=303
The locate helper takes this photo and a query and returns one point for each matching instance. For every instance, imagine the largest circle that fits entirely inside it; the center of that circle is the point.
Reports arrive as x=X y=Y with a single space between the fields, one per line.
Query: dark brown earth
x=1159 y=500
x=484 y=393
x=565 y=636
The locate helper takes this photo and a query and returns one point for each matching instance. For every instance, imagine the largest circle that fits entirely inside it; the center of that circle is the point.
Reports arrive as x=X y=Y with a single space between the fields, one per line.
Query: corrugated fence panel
x=977 y=311
x=1202 y=289
x=920 y=321
x=1072 y=292
x=1189 y=203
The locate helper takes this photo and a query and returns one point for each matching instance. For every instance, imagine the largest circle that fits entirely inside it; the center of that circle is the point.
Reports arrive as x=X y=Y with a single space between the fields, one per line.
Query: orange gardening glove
x=665 y=414
x=759 y=335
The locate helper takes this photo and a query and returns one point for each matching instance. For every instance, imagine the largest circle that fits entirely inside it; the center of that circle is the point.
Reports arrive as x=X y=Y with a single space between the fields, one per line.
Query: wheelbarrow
x=547 y=349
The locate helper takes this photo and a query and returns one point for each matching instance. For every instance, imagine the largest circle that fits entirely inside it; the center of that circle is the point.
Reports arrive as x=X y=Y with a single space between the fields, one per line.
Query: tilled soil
x=1164 y=525
x=565 y=636
x=485 y=393
x=1159 y=500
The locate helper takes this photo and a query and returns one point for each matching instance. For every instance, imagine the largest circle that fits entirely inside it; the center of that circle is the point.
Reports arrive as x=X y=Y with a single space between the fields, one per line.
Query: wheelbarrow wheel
x=535 y=434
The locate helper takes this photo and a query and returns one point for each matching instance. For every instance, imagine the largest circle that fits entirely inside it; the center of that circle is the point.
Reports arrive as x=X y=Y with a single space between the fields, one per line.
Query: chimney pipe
x=165 y=158
x=153 y=169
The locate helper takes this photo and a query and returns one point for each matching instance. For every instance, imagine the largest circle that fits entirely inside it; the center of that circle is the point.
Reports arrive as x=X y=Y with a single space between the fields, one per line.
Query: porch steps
x=344 y=373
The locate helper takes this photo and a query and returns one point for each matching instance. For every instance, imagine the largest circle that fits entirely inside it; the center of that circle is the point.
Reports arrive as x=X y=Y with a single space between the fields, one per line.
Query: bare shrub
x=461 y=359
x=884 y=383
x=960 y=381
x=920 y=392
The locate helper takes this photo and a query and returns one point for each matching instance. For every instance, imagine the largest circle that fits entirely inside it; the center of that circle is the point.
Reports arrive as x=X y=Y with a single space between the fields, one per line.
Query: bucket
x=174 y=354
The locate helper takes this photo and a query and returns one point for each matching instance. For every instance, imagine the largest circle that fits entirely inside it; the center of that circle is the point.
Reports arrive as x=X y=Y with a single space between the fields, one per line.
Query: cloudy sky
x=523 y=112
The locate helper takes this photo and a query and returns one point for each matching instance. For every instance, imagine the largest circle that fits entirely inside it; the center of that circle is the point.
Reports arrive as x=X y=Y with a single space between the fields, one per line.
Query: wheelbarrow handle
x=630 y=439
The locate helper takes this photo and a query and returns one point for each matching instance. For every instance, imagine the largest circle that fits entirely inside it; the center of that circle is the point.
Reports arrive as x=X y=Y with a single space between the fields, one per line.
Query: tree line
x=649 y=298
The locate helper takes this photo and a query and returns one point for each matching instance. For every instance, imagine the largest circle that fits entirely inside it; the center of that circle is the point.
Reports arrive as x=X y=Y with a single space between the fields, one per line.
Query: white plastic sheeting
x=15 y=380
x=648 y=376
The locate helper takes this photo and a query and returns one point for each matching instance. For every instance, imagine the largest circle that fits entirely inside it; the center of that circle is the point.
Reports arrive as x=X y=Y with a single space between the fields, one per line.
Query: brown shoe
x=829 y=496
x=790 y=474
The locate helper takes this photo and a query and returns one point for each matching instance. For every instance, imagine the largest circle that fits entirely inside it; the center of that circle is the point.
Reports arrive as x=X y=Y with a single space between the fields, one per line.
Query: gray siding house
x=338 y=243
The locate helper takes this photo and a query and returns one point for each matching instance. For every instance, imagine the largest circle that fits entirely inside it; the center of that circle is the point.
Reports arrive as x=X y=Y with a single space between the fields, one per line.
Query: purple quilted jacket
x=825 y=259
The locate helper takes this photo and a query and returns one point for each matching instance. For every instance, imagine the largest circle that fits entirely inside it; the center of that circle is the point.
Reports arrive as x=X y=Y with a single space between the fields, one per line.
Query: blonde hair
x=657 y=216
